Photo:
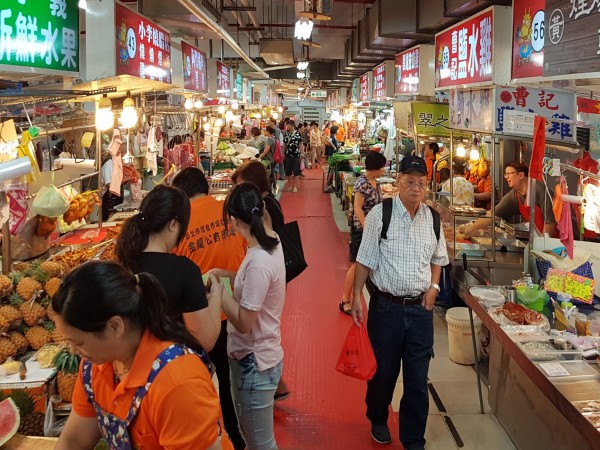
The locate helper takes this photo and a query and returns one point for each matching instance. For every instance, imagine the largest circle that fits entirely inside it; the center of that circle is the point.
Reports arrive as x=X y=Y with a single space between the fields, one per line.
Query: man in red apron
x=516 y=202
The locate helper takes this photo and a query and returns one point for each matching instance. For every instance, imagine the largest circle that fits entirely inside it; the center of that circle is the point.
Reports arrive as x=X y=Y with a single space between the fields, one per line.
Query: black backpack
x=387 y=217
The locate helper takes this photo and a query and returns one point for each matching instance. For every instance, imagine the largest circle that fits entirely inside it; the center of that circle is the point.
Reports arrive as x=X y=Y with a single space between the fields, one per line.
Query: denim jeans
x=253 y=394
x=400 y=334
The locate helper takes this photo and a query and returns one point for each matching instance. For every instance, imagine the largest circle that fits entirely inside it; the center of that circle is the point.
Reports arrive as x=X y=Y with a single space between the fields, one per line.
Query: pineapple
x=19 y=340
x=6 y=286
x=32 y=422
x=7 y=348
x=32 y=312
x=52 y=286
x=55 y=335
x=28 y=288
x=38 y=337
x=4 y=324
x=67 y=364
x=51 y=268
x=12 y=314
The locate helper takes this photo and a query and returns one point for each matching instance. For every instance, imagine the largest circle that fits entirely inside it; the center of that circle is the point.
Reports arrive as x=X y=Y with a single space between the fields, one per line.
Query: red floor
x=325 y=409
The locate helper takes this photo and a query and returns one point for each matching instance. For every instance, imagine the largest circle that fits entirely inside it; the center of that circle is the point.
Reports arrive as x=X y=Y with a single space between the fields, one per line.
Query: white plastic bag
x=50 y=202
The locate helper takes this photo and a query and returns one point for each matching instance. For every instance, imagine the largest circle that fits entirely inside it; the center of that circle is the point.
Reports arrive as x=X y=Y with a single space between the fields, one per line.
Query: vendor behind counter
x=515 y=203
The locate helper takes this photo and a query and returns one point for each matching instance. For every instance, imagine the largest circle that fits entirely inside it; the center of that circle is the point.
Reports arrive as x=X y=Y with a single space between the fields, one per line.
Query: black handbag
x=293 y=254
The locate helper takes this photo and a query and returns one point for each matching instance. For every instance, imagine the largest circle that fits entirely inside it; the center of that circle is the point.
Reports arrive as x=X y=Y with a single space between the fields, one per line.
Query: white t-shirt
x=260 y=286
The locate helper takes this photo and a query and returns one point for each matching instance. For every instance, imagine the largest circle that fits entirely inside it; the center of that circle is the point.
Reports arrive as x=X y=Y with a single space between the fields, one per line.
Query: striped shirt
x=400 y=264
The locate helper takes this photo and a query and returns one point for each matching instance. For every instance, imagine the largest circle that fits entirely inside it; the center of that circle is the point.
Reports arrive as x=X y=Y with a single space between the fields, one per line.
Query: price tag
x=554 y=370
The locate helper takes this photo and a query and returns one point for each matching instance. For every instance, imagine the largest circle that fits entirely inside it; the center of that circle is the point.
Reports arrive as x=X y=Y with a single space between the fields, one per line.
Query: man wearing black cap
x=402 y=269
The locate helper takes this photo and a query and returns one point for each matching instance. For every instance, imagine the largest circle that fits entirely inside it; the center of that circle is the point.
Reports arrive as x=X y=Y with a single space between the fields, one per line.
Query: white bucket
x=460 y=342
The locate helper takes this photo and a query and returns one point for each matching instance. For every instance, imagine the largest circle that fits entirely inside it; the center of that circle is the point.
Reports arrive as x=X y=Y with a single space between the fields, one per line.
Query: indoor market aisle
x=326 y=409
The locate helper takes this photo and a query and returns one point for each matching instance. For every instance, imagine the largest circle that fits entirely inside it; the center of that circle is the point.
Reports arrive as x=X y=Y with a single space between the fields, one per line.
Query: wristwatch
x=435 y=286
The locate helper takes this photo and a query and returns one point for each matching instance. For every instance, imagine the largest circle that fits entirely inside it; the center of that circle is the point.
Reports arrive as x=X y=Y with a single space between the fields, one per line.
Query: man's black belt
x=404 y=300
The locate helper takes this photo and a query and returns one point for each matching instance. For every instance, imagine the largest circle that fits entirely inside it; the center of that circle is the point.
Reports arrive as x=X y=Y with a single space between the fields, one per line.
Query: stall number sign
x=528 y=38
x=40 y=33
x=223 y=80
x=318 y=94
x=364 y=87
x=541 y=102
x=379 y=80
x=194 y=68
x=406 y=80
x=143 y=49
x=464 y=52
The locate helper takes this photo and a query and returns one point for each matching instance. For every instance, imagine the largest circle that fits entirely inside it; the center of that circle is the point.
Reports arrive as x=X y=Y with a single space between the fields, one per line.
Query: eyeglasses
x=415 y=184
x=508 y=174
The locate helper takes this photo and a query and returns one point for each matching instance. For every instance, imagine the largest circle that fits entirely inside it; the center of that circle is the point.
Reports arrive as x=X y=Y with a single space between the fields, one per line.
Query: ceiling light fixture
x=301 y=75
x=302 y=65
x=188 y=103
x=105 y=118
x=198 y=104
x=221 y=109
x=314 y=15
x=129 y=115
x=303 y=29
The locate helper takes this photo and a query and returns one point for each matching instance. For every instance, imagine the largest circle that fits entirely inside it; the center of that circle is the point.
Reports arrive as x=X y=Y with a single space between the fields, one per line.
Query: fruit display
x=67 y=365
x=45 y=357
x=80 y=206
x=31 y=421
x=9 y=420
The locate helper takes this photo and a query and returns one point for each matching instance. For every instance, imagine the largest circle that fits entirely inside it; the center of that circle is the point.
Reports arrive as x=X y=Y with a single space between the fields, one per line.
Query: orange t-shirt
x=341 y=134
x=181 y=410
x=207 y=243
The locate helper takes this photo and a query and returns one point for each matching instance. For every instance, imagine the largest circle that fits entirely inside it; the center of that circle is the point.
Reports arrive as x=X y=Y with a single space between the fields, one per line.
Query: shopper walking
x=269 y=155
x=402 y=272
x=142 y=382
x=293 y=149
x=304 y=161
x=279 y=168
x=209 y=244
x=145 y=245
x=254 y=342
x=316 y=145
x=367 y=194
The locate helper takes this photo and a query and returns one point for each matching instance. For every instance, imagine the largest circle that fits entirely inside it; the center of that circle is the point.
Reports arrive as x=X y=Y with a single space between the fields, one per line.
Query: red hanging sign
x=528 y=38
x=143 y=48
x=588 y=106
x=406 y=80
x=464 y=52
x=364 y=87
x=379 y=80
x=194 y=68
x=539 y=147
x=223 y=80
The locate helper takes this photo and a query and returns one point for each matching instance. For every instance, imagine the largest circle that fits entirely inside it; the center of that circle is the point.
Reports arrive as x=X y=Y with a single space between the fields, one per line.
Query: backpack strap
x=386 y=216
x=436 y=222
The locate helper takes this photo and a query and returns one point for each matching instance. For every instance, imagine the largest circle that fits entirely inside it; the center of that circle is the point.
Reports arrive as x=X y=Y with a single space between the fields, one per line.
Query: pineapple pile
x=32 y=422
x=25 y=312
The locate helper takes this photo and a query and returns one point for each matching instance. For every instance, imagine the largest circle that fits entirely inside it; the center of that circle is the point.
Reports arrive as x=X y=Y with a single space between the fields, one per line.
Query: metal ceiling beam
x=204 y=17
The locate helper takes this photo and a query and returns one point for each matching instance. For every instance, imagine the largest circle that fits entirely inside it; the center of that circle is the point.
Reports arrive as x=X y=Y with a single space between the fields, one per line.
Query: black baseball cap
x=411 y=163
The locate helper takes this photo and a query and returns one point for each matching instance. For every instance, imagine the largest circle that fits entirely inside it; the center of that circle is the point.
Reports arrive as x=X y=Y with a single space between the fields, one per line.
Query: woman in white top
x=254 y=340
x=463 y=190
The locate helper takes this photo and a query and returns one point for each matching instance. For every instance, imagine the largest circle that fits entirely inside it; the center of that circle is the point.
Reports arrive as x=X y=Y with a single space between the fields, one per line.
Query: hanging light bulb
x=460 y=151
x=302 y=65
x=82 y=4
x=205 y=119
x=301 y=75
x=303 y=29
x=129 y=115
x=188 y=103
x=221 y=109
x=229 y=116
x=206 y=126
x=474 y=154
x=280 y=109
x=258 y=115
x=275 y=116
x=235 y=106
x=198 y=104
x=219 y=123
x=105 y=118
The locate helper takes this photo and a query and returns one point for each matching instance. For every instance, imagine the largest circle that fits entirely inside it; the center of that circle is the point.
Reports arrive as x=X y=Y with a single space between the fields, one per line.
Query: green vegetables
x=338 y=158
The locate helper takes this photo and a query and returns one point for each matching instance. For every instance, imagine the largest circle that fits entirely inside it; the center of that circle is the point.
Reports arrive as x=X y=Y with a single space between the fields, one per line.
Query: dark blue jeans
x=402 y=336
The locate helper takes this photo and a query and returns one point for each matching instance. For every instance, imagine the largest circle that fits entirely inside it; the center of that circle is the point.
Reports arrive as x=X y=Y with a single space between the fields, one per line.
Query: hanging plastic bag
x=357 y=359
x=50 y=202
x=53 y=426
x=19 y=209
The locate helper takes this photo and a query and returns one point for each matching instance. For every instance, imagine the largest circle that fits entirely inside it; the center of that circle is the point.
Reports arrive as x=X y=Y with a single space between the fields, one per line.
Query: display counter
x=535 y=412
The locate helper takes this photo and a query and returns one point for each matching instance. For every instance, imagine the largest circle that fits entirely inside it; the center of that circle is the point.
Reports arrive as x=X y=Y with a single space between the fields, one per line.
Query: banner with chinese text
x=355 y=90
x=463 y=53
x=572 y=37
x=364 y=87
x=542 y=102
x=431 y=119
x=223 y=80
x=379 y=81
x=239 y=86
x=194 y=68
x=143 y=48
x=472 y=110
x=406 y=80
x=43 y=34
x=528 y=38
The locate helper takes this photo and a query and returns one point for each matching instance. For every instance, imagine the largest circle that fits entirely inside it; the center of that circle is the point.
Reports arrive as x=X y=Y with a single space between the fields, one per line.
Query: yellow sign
x=580 y=288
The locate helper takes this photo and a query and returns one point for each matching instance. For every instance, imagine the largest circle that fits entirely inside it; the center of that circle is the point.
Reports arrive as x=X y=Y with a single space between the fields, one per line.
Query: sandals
x=344 y=310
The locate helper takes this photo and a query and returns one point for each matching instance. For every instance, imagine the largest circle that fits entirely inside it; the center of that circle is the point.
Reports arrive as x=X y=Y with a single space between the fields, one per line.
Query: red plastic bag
x=357 y=359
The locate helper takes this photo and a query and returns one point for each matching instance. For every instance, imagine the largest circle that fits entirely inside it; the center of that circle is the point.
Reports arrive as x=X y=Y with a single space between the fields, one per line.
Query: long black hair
x=159 y=207
x=140 y=299
x=245 y=203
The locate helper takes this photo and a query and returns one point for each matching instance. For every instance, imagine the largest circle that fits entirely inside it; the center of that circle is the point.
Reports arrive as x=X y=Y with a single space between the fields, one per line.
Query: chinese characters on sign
x=223 y=80
x=572 y=43
x=40 y=33
x=355 y=90
x=407 y=72
x=431 y=119
x=194 y=68
x=239 y=86
x=541 y=102
x=204 y=236
x=379 y=87
x=471 y=110
x=143 y=49
x=464 y=52
x=364 y=87
x=528 y=38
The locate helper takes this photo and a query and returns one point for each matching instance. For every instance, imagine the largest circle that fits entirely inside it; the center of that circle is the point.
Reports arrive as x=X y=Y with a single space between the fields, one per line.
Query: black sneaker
x=381 y=434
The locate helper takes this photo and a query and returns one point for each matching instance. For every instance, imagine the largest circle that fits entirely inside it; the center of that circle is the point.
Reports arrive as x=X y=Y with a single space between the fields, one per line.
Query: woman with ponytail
x=145 y=245
x=254 y=315
x=142 y=382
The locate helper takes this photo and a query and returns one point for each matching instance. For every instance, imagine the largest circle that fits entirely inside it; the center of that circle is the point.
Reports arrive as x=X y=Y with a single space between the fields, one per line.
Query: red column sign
x=528 y=38
x=406 y=80
x=143 y=48
x=364 y=87
x=464 y=52
x=194 y=68
x=223 y=80
x=379 y=87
